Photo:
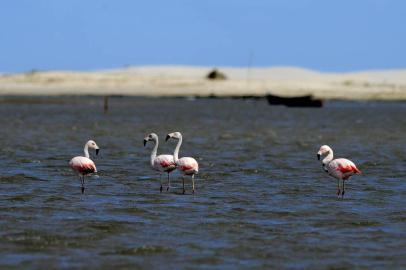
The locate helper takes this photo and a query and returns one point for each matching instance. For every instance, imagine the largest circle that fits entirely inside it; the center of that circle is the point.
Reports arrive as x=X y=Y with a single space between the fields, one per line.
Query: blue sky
x=326 y=35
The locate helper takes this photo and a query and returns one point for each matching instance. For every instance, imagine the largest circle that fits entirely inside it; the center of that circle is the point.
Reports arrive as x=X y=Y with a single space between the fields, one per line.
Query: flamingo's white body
x=84 y=165
x=340 y=168
x=187 y=165
x=161 y=163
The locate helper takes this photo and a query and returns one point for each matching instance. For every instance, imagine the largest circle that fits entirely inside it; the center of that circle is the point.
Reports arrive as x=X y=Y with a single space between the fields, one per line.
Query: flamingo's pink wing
x=83 y=165
x=188 y=164
x=166 y=163
x=348 y=168
x=186 y=167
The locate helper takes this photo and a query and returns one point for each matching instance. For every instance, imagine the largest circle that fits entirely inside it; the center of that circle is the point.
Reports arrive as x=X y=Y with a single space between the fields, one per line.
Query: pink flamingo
x=84 y=165
x=187 y=165
x=340 y=168
x=161 y=163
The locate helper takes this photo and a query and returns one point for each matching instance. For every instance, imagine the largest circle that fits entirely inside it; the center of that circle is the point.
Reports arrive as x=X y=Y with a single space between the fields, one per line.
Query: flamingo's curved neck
x=154 y=151
x=86 y=150
x=328 y=158
x=176 y=153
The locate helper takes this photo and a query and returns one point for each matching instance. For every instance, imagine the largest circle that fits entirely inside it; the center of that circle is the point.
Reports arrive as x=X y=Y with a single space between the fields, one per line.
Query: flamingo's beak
x=167 y=137
x=145 y=142
x=97 y=151
x=318 y=156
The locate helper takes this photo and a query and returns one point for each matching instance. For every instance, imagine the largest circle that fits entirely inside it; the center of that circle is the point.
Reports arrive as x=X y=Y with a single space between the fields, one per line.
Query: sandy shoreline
x=191 y=81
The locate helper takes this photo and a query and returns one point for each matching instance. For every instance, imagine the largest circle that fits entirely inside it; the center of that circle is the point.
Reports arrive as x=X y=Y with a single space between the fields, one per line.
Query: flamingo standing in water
x=187 y=165
x=161 y=163
x=84 y=165
x=340 y=168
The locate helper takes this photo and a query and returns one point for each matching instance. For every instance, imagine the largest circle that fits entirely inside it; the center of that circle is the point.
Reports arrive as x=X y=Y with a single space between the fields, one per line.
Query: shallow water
x=262 y=200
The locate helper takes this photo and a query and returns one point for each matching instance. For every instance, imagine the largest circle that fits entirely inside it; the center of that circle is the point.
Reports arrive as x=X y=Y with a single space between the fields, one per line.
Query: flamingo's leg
x=183 y=183
x=342 y=193
x=160 y=180
x=193 y=183
x=169 y=183
x=83 y=183
x=338 y=188
x=80 y=178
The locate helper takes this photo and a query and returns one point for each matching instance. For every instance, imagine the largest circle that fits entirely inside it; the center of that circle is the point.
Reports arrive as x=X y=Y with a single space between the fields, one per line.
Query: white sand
x=191 y=81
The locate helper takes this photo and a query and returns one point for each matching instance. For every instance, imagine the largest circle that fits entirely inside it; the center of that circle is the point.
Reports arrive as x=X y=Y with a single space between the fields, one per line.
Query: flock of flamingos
x=341 y=169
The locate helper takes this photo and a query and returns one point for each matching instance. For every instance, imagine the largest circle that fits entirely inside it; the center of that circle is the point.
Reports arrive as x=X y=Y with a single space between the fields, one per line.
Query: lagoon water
x=262 y=200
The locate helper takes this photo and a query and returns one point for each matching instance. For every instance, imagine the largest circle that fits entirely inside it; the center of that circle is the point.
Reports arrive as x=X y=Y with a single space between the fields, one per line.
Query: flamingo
x=340 y=168
x=187 y=165
x=84 y=165
x=161 y=163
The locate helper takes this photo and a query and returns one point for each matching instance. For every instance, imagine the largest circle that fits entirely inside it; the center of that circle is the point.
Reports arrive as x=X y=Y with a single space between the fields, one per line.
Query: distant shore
x=188 y=81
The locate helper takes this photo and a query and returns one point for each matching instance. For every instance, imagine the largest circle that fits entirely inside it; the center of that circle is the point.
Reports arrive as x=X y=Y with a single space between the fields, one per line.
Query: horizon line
x=125 y=67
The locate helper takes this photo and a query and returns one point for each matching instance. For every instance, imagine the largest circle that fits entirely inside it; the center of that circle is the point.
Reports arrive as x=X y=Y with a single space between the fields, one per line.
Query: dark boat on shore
x=302 y=101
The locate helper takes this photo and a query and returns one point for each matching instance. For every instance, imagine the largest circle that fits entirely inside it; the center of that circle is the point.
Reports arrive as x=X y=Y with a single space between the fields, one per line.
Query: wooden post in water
x=106 y=104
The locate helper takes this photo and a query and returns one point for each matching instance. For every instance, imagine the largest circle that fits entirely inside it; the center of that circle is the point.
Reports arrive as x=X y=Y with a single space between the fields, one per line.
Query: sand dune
x=191 y=81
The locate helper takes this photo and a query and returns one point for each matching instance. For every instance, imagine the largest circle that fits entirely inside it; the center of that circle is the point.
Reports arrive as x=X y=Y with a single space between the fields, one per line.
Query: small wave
x=142 y=250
